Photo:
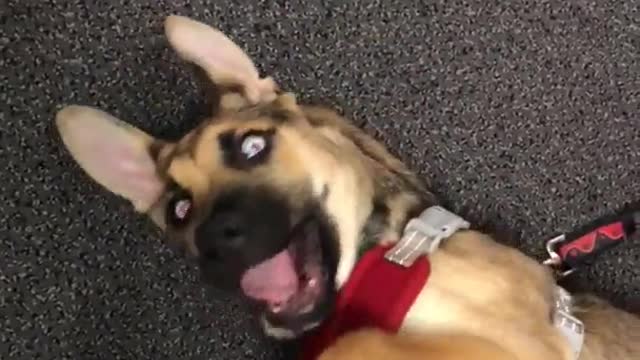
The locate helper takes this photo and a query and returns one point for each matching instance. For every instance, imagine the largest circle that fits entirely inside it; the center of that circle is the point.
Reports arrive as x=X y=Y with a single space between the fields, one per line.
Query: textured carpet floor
x=522 y=112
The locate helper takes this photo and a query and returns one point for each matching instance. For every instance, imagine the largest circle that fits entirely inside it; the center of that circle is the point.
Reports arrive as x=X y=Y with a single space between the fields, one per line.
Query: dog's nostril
x=211 y=254
x=232 y=235
x=231 y=232
x=221 y=233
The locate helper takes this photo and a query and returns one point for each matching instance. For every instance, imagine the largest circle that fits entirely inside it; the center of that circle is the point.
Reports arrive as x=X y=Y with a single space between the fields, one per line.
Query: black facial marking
x=244 y=227
x=227 y=141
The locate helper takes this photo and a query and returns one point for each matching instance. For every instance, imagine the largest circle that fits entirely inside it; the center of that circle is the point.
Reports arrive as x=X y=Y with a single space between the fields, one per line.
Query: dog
x=273 y=199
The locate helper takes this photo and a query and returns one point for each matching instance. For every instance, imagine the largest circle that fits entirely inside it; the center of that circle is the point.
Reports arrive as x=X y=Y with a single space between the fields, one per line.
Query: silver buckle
x=571 y=327
x=423 y=235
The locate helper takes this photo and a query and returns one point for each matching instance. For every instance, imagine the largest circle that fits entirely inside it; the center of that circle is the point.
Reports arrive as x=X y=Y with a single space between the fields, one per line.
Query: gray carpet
x=525 y=113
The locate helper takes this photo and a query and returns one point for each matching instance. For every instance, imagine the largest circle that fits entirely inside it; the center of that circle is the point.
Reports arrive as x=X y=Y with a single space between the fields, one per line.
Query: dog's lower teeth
x=312 y=282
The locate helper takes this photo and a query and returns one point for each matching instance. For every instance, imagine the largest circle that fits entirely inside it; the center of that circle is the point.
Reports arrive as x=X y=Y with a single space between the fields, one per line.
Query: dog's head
x=271 y=197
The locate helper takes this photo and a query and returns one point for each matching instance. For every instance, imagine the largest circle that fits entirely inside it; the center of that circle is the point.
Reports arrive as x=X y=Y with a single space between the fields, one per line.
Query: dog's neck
x=377 y=231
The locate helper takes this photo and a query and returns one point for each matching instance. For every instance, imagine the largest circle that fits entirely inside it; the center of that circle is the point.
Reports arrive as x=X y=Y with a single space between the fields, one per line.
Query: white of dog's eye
x=253 y=145
x=182 y=209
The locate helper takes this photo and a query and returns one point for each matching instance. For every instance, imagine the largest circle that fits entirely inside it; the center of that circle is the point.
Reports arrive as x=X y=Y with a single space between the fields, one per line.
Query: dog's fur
x=483 y=300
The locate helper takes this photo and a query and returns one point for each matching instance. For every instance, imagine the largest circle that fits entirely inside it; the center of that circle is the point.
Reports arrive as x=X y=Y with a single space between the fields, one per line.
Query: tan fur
x=611 y=332
x=371 y=344
x=483 y=300
x=486 y=289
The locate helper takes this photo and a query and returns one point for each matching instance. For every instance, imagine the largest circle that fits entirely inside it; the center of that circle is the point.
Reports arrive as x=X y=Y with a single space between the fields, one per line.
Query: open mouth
x=292 y=283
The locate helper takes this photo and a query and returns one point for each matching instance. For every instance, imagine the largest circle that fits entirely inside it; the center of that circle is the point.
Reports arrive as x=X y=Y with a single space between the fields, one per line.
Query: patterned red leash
x=568 y=252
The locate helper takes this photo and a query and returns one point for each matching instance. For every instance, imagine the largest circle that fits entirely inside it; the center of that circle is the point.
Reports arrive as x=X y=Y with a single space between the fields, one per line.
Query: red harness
x=378 y=294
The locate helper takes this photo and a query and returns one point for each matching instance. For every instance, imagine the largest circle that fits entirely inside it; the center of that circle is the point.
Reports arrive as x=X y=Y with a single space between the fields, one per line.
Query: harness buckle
x=571 y=327
x=555 y=261
x=423 y=235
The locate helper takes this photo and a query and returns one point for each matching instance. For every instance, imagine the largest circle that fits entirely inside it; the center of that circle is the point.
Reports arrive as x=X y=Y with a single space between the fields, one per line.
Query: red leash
x=568 y=252
x=378 y=294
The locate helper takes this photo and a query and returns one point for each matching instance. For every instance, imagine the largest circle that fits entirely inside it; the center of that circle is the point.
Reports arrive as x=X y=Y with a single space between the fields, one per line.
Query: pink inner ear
x=138 y=173
x=125 y=170
x=114 y=154
x=227 y=59
x=212 y=50
x=227 y=62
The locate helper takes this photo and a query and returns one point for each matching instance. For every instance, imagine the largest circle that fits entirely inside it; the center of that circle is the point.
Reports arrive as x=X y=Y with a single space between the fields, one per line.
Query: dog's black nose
x=244 y=225
x=223 y=232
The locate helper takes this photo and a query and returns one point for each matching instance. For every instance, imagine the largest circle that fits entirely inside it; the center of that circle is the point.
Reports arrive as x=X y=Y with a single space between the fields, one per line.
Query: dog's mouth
x=292 y=285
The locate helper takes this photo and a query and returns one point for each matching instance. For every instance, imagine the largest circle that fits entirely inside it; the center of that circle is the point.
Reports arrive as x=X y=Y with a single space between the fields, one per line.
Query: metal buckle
x=554 y=260
x=571 y=327
x=423 y=235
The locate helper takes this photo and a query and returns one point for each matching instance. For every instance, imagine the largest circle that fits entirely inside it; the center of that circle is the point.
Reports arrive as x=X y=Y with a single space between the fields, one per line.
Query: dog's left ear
x=225 y=63
x=115 y=154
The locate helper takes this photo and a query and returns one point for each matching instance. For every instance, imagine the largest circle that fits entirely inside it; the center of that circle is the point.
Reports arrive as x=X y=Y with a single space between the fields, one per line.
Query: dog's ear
x=223 y=62
x=115 y=154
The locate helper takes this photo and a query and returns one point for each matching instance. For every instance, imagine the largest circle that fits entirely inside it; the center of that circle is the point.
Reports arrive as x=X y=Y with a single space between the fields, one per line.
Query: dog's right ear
x=115 y=154
x=225 y=64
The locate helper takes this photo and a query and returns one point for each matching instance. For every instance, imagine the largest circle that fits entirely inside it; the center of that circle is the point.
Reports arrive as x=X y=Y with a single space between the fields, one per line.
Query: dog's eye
x=244 y=151
x=253 y=145
x=179 y=209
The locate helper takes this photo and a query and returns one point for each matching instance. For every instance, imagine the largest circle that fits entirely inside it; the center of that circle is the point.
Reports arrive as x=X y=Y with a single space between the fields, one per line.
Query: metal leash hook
x=555 y=261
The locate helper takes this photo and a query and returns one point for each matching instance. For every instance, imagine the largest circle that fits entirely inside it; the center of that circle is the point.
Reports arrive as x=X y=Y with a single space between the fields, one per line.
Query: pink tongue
x=274 y=280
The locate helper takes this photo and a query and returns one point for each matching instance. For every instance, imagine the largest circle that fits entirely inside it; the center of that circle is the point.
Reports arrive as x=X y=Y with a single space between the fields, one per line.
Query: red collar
x=378 y=294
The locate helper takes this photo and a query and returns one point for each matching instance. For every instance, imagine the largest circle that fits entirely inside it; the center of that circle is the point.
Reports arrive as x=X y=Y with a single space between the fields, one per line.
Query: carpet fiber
x=525 y=113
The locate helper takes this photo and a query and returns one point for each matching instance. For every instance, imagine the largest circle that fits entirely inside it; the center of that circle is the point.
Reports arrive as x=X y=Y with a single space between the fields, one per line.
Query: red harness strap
x=378 y=294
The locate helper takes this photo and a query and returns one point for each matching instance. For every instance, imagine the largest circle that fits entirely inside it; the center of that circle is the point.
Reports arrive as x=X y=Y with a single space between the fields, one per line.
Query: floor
x=523 y=113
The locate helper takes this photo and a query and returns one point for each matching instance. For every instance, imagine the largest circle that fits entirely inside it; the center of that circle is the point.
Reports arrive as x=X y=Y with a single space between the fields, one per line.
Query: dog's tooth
x=276 y=308
x=312 y=282
x=307 y=309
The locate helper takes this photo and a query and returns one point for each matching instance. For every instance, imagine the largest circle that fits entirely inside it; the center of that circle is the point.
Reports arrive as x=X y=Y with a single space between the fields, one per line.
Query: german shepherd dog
x=273 y=199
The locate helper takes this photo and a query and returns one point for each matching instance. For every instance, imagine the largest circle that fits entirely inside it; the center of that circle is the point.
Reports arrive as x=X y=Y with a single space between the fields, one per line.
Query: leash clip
x=555 y=260
x=569 y=252
x=423 y=235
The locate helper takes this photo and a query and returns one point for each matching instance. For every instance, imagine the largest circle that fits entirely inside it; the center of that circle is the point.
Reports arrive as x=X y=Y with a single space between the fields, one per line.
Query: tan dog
x=273 y=198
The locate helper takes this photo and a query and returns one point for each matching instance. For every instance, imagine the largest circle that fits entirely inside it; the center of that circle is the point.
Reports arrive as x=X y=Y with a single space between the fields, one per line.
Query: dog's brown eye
x=179 y=209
